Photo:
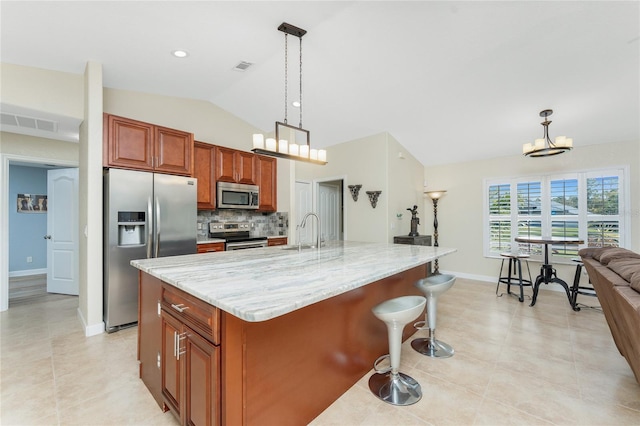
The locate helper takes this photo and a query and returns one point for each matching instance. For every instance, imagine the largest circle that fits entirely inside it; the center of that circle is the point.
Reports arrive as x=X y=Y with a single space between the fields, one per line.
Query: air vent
x=242 y=66
x=29 y=122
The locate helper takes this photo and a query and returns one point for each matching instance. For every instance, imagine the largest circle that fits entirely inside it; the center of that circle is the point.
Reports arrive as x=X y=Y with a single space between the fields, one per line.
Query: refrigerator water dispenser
x=131 y=227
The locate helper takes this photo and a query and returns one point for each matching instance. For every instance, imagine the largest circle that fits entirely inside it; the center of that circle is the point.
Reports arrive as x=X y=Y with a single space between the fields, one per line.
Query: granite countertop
x=264 y=283
x=205 y=240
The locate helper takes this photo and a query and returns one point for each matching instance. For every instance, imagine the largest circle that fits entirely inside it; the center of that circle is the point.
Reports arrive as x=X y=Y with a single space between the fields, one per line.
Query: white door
x=62 y=231
x=329 y=208
x=303 y=206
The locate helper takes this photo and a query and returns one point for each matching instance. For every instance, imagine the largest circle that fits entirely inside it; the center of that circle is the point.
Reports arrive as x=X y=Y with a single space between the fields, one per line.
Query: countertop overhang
x=264 y=283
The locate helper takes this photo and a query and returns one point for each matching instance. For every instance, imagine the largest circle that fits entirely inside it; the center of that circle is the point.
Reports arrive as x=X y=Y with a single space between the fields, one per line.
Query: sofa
x=615 y=275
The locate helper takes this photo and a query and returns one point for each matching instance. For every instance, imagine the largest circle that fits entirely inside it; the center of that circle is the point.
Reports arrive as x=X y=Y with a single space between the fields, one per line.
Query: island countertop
x=264 y=283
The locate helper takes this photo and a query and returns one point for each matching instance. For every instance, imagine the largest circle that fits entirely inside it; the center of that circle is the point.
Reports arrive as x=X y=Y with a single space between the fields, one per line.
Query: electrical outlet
x=29 y=259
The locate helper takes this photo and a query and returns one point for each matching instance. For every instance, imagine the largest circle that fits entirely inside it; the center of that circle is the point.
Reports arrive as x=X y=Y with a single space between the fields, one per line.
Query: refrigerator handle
x=157 y=227
x=149 y=228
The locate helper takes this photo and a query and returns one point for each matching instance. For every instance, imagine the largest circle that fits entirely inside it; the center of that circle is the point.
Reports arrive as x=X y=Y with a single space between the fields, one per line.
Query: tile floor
x=514 y=364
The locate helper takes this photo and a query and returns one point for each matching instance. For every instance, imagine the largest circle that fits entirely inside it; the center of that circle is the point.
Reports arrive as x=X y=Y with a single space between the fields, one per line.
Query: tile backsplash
x=264 y=224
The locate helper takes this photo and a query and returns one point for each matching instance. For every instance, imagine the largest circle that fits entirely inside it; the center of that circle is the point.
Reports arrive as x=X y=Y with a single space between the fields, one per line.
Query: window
x=583 y=205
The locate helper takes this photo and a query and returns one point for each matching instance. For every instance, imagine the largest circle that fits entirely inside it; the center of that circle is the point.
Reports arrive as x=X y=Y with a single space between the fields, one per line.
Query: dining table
x=547 y=272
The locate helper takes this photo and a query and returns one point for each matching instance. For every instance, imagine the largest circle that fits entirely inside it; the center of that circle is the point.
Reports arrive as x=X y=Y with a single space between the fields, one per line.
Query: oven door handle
x=247 y=244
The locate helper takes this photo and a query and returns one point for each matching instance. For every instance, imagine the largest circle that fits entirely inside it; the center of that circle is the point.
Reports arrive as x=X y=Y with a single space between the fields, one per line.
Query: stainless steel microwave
x=238 y=196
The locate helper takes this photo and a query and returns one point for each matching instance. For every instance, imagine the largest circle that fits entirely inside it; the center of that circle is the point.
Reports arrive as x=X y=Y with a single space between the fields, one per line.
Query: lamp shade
x=435 y=195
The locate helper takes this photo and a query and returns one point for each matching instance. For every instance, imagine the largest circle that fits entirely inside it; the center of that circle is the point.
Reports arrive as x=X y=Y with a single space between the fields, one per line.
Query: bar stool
x=432 y=287
x=389 y=384
x=576 y=289
x=515 y=267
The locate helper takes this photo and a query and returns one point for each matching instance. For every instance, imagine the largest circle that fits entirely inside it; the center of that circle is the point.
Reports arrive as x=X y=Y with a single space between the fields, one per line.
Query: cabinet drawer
x=277 y=241
x=199 y=315
x=210 y=247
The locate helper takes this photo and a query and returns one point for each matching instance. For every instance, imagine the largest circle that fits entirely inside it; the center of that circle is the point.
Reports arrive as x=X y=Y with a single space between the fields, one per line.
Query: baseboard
x=90 y=330
x=27 y=272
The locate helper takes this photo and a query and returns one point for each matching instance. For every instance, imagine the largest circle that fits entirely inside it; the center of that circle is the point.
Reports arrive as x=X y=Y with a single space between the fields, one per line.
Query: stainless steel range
x=236 y=235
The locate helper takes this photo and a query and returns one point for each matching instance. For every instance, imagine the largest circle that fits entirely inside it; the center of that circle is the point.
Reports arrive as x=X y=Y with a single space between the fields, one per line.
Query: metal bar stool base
x=435 y=349
x=398 y=389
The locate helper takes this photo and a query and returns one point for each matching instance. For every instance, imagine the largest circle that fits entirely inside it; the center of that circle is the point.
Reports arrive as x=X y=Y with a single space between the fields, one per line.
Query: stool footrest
x=378 y=361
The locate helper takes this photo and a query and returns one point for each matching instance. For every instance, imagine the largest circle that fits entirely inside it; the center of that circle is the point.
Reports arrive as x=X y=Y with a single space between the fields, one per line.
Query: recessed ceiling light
x=296 y=104
x=180 y=53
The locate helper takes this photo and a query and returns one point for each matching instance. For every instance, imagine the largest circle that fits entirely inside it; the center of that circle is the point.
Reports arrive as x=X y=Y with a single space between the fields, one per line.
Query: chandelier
x=545 y=147
x=291 y=142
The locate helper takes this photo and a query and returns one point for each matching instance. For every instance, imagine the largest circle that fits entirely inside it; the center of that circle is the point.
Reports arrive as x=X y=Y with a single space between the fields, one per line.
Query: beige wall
x=460 y=215
x=32 y=146
x=206 y=121
x=372 y=162
x=55 y=92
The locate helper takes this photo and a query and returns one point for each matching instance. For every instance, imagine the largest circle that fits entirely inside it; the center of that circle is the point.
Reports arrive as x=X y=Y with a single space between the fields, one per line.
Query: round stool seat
x=432 y=287
x=402 y=310
x=435 y=284
x=389 y=384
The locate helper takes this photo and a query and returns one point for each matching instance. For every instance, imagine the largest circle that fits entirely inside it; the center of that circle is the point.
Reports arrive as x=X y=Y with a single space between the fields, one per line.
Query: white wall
x=460 y=215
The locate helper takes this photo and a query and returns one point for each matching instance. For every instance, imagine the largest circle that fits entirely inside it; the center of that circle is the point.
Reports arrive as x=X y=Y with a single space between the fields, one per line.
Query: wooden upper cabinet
x=137 y=145
x=246 y=165
x=235 y=166
x=174 y=151
x=267 y=171
x=203 y=170
x=127 y=143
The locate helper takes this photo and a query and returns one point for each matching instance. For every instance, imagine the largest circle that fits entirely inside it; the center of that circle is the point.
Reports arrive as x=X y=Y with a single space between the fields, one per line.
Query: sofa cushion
x=635 y=281
x=594 y=252
x=614 y=253
x=625 y=267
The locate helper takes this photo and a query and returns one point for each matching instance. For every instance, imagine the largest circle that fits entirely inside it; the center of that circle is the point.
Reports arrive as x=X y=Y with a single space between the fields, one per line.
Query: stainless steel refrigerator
x=145 y=215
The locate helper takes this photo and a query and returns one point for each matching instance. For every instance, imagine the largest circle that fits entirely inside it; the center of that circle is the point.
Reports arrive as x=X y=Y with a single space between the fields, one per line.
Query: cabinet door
x=202 y=384
x=267 y=173
x=225 y=170
x=127 y=143
x=246 y=167
x=203 y=170
x=171 y=374
x=150 y=334
x=173 y=151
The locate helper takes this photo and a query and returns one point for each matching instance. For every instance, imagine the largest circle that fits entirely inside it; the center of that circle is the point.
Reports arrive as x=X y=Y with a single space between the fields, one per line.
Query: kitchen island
x=271 y=335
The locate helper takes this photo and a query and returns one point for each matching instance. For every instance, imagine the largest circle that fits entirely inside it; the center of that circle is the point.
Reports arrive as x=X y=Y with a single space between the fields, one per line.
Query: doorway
x=10 y=245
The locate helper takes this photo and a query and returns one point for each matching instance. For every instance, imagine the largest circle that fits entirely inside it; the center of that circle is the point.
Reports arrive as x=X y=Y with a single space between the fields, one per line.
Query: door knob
x=47 y=237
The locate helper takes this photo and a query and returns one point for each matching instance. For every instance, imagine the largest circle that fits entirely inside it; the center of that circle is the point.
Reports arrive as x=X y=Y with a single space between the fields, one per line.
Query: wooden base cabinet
x=190 y=361
x=149 y=335
x=279 y=241
x=190 y=374
x=210 y=247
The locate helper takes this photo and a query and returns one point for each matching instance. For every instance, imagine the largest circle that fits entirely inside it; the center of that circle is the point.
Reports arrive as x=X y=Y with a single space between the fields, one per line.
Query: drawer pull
x=180 y=307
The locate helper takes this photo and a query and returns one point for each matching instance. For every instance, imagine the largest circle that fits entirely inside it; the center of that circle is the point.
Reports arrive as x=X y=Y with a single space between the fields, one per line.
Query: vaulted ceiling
x=451 y=81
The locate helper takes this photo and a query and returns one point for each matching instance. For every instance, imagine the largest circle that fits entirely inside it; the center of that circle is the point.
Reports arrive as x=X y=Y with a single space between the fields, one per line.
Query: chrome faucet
x=304 y=223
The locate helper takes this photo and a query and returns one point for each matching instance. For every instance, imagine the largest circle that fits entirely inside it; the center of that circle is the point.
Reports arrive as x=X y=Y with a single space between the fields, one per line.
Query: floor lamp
x=435 y=196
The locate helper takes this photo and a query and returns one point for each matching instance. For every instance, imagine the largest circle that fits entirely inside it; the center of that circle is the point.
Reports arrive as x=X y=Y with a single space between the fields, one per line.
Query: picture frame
x=31 y=203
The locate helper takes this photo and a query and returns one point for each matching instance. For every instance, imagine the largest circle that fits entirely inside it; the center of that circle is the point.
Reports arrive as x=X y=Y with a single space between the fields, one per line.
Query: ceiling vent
x=242 y=66
x=28 y=122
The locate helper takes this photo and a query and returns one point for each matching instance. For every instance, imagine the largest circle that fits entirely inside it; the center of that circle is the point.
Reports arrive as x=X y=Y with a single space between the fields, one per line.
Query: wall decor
x=373 y=197
x=30 y=203
x=355 y=190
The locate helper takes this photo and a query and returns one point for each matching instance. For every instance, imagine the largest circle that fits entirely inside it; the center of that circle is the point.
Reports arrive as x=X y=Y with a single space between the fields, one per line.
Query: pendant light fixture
x=545 y=147
x=291 y=142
